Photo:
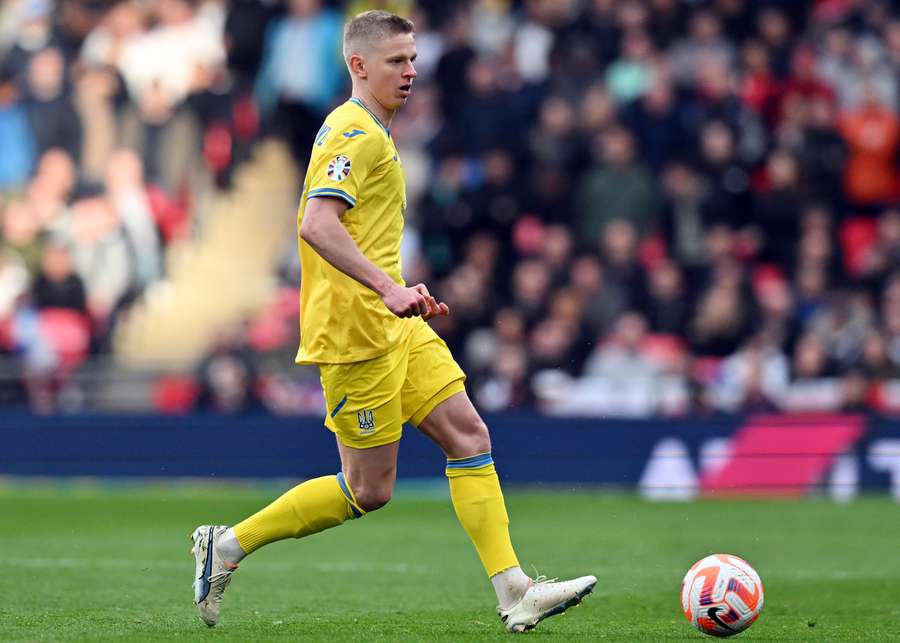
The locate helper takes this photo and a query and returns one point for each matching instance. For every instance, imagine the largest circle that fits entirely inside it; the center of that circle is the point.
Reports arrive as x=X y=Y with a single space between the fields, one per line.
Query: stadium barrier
x=835 y=455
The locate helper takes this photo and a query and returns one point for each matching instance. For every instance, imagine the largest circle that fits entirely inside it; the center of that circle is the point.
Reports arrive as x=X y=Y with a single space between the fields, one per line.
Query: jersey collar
x=356 y=101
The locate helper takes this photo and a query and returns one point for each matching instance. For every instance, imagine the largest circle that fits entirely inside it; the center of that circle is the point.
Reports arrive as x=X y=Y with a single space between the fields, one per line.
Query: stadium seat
x=664 y=350
x=69 y=334
x=174 y=394
x=856 y=236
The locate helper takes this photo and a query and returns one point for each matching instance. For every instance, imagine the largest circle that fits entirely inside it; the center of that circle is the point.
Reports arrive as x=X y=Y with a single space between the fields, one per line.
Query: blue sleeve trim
x=472 y=462
x=331 y=192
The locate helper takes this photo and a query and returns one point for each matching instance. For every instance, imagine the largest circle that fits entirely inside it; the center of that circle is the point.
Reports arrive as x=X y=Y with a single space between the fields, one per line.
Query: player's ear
x=357 y=65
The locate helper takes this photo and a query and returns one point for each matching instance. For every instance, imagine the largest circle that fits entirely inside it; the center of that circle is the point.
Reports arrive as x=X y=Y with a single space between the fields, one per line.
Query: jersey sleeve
x=341 y=161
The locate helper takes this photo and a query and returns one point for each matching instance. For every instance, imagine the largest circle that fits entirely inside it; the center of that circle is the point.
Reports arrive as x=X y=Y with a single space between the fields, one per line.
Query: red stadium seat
x=663 y=349
x=170 y=215
x=767 y=274
x=69 y=334
x=652 y=251
x=6 y=340
x=174 y=394
x=857 y=235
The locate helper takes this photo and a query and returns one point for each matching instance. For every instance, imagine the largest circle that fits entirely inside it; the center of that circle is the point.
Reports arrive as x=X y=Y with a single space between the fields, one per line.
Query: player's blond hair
x=370 y=26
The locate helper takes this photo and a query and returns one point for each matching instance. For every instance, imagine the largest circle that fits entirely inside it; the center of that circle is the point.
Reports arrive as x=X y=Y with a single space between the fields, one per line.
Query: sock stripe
x=345 y=488
x=472 y=462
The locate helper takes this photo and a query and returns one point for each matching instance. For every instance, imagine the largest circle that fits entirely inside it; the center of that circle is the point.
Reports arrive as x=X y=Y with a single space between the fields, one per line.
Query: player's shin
x=308 y=508
x=478 y=501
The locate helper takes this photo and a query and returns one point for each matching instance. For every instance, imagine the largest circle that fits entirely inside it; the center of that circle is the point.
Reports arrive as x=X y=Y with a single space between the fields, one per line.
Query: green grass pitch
x=101 y=562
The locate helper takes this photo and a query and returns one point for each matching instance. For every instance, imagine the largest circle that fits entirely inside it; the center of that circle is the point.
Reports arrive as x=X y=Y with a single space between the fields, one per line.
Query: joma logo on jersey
x=366 y=421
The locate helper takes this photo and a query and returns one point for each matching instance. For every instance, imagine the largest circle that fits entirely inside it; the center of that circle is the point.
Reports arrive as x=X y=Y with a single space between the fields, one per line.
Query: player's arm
x=321 y=228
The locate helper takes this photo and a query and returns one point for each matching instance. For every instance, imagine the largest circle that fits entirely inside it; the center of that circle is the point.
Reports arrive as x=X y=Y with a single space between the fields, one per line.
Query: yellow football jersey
x=353 y=158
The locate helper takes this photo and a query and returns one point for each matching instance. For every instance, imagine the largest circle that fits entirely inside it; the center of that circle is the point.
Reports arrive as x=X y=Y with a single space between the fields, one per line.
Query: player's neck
x=383 y=114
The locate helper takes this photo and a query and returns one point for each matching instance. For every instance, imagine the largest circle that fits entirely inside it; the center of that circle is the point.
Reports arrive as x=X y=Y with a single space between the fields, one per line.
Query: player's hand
x=406 y=302
x=435 y=308
x=414 y=302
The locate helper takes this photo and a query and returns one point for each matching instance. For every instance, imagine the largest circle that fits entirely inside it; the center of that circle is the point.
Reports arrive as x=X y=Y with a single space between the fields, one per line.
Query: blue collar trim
x=356 y=101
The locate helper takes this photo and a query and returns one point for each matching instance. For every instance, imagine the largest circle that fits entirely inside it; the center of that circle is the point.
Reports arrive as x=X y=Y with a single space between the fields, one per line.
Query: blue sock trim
x=472 y=462
x=345 y=488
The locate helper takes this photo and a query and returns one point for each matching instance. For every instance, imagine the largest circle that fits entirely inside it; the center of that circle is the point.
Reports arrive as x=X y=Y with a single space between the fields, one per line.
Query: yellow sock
x=478 y=501
x=306 y=509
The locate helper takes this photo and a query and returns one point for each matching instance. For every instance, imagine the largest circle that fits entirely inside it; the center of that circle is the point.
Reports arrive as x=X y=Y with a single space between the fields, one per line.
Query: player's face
x=391 y=71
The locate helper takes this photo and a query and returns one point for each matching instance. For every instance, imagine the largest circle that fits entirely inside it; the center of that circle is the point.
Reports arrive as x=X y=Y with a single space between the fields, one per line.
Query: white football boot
x=545 y=598
x=212 y=574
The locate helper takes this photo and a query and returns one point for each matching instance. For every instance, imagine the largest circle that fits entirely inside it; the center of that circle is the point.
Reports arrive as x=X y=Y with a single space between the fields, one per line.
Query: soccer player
x=381 y=364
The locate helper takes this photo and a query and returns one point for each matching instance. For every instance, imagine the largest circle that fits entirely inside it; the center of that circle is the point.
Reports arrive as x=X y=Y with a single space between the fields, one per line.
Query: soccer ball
x=721 y=595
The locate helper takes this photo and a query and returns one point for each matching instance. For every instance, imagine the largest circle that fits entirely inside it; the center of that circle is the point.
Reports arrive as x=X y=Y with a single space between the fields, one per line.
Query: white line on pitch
x=129 y=563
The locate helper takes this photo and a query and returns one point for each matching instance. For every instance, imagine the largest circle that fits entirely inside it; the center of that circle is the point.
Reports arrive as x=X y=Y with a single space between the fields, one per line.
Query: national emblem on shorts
x=366 y=421
x=339 y=168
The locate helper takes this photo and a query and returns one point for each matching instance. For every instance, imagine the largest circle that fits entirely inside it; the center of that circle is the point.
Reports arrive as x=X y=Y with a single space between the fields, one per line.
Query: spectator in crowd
x=704 y=41
x=754 y=378
x=228 y=377
x=778 y=321
x=51 y=188
x=619 y=251
x=665 y=302
x=603 y=301
x=882 y=257
x=724 y=314
x=874 y=362
x=495 y=200
x=14 y=280
x=300 y=72
x=656 y=122
x=51 y=114
x=179 y=58
x=57 y=285
x=100 y=254
x=621 y=357
x=131 y=203
x=761 y=89
x=872 y=133
x=727 y=169
x=682 y=215
x=19 y=146
x=822 y=152
x=618 y=188
x=631 y=75
x=555 y=141
x=506 y=387
x=777 y=210
x=19 y=235
x=727 y=196
x=774 y=29
x=531 y=284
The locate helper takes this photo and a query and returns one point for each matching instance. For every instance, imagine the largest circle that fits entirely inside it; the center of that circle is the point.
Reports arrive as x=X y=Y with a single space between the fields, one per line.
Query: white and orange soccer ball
x=721 y=595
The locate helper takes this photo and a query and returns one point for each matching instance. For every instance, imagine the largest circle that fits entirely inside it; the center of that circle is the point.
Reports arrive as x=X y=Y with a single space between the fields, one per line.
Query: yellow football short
x=368 y=402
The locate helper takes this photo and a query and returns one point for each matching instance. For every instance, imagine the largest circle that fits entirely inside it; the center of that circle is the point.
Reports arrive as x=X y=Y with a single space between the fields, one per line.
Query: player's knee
x=370 y=499
x=476 y=436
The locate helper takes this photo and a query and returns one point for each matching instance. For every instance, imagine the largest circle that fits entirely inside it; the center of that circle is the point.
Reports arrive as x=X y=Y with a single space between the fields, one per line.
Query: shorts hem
x=451 y=389
x=368 y=442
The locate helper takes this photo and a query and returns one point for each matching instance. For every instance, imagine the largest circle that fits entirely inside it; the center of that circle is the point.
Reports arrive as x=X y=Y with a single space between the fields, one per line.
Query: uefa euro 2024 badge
x=339 y=168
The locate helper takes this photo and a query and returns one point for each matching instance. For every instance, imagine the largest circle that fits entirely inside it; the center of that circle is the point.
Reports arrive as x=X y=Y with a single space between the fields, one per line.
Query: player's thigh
x=456 y=427
x=432 y=375
x=434 y=397
x=363 y=400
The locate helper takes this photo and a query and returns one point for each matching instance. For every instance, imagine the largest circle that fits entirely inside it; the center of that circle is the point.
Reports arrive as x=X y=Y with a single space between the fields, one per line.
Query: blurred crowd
x=632 y=207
